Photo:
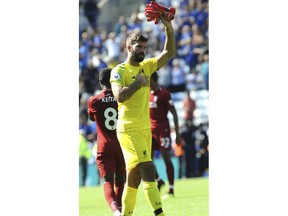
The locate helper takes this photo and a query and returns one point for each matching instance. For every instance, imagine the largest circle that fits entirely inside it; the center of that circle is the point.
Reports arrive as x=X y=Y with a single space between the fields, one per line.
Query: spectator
x=200 y=15
x=189 y=106
x=164 y=74
x=204 y=68
x=98 y=63
x=84 y=23
x=184 y=42
x=178 y=80
x=201 y=144
x=112 y=45
x=98 y=39
x=83 y=55
x=154 y=43
x=188 y=138
x=118 y=26
x=194 y=80
x=90 y=76
x=197 y=46
x=134 y=23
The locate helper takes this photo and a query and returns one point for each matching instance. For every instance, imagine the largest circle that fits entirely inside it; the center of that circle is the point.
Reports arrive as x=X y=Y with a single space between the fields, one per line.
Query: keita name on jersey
x=108 y=99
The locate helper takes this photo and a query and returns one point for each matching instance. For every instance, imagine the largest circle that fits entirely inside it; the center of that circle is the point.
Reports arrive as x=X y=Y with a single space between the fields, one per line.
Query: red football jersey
x=160 y=102
x=102 y=108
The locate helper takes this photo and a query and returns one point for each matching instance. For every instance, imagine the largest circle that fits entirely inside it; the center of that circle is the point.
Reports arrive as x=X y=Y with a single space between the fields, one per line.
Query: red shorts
x=161 y=139
x=110 y=162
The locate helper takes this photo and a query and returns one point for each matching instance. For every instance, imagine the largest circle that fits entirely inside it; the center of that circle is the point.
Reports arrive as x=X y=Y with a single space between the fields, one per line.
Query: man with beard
x=130 y=86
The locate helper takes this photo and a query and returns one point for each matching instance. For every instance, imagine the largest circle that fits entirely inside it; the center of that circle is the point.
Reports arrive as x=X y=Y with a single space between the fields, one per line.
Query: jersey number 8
x=110 y=114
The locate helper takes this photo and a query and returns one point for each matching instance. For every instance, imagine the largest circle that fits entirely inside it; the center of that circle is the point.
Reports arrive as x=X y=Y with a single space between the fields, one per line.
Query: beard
x=138 y=57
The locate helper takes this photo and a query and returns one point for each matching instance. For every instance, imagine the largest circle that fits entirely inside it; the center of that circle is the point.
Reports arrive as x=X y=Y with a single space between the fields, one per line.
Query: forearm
x=176 y=124
x=175 y=119
x=169 y=46
x=169 y=49
x=127 y=92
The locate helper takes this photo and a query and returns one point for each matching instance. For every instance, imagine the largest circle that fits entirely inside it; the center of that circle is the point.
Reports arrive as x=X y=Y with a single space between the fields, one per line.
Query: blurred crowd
x=187 y=72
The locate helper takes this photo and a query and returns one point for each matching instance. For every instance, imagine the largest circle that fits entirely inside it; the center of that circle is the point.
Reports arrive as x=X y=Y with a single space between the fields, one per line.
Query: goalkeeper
x=131 y=88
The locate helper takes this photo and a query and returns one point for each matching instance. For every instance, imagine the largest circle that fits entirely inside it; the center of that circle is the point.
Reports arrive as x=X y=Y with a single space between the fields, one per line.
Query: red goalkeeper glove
x=154 y=10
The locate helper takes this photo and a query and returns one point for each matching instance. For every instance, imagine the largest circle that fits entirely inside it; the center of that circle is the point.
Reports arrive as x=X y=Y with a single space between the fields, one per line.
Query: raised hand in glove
x=153 y=11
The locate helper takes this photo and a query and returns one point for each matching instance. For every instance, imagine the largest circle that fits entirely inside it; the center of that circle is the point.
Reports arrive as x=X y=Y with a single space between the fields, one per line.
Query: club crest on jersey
x=116 y=76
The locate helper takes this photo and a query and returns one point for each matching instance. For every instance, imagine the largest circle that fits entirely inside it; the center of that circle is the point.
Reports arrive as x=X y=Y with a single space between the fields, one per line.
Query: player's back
x=160 y=102
x=103 y=109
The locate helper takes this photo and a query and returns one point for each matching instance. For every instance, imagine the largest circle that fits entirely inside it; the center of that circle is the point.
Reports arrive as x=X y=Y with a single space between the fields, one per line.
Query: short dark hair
x=154 y=76
x=104 y=76
x=134 y=38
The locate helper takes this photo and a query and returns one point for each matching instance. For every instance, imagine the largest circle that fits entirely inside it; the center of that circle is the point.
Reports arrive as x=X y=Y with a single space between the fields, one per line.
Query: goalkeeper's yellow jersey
x=133 y=114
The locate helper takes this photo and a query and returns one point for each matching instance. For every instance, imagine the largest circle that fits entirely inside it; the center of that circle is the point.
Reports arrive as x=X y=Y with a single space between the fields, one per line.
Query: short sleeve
x=116 y=77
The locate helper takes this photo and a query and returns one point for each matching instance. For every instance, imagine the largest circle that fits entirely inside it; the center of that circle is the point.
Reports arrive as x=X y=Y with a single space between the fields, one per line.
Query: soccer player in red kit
x=102 y=108
x=160 y=103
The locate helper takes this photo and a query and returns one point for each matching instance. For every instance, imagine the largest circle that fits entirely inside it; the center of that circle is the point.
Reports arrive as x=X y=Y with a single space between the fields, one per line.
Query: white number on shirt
x=110 y=114
x=165 y=142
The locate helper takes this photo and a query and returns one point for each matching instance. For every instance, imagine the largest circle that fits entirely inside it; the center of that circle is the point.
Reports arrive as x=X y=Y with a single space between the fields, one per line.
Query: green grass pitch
x=191 y=199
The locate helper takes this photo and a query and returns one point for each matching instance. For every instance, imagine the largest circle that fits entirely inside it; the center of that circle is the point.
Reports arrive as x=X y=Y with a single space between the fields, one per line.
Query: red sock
x=119 y=186
x=170 y=173
x=110 y=195
x=114 y=206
